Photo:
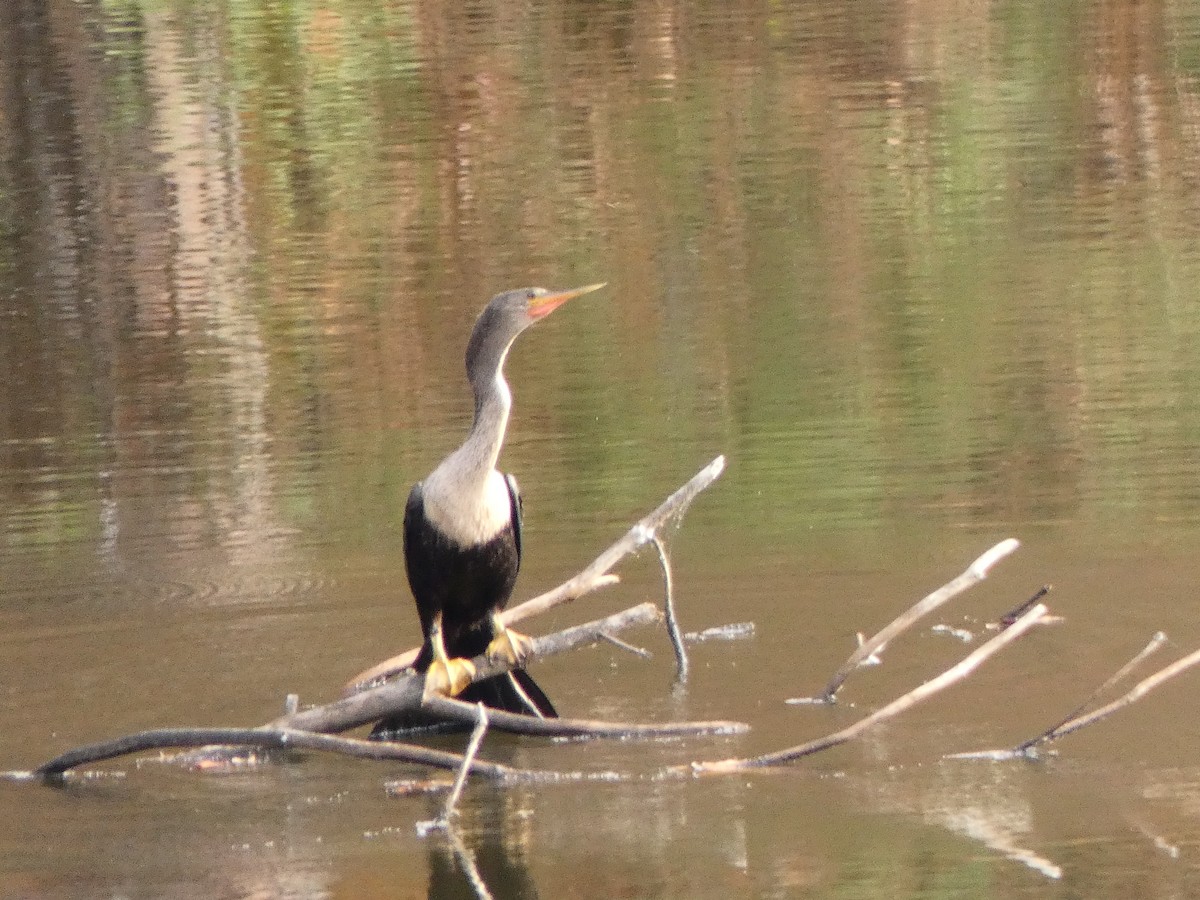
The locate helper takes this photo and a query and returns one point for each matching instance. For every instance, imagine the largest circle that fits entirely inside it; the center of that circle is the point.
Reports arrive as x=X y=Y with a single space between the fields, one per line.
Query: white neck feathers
x=465 y=497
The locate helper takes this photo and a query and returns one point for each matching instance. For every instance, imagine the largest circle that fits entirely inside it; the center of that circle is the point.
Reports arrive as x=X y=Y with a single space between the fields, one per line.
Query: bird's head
x=524 y=306
x=507 y=315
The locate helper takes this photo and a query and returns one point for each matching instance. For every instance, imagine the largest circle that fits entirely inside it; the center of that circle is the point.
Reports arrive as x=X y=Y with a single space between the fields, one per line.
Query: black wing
x=514 y=500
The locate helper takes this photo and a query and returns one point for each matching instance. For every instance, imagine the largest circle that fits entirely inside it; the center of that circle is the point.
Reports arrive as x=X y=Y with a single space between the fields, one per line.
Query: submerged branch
x=681 y=657
x=1052 y=732
x=458 y=711
x=450 y=810
x=975 y=573
x=595 y=575
x=951 y=676
x=265 y=738
x=1139 y=690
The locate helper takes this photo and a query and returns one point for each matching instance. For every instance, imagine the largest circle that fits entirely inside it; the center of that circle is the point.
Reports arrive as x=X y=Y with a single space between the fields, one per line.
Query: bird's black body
x=467 y=584
x=462 y=531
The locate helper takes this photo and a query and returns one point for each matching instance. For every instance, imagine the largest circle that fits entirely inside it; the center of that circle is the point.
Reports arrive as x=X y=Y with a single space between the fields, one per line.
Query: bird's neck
x=465 y=497
x=476 y=459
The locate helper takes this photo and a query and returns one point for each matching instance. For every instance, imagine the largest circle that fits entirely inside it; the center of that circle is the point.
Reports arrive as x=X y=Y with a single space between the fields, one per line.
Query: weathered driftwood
x=404 y=693
x=594 y=576
x=951 y=676
x=457 y=711
x=1156 y=642
x=304 y=729
x=371 y=704
x=267 y=739
x=1077 y=719
x=975 y=573
x=1139 y=690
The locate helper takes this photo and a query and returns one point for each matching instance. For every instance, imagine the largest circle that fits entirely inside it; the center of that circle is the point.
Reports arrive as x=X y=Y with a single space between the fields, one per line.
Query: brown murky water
x=925 y=273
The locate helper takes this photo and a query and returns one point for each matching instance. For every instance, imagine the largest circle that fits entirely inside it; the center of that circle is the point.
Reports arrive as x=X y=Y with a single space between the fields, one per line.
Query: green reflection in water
x=899 y=273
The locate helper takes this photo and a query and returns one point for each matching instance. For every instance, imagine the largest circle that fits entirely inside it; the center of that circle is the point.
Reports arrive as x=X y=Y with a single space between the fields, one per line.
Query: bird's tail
x=514 y=692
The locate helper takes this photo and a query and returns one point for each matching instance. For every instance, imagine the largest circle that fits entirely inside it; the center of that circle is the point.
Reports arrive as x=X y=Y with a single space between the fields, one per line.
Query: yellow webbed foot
x=509 y=646
x=449 y=676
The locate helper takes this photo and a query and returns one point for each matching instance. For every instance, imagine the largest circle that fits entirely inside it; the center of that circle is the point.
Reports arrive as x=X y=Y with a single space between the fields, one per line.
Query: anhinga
x=462 y=529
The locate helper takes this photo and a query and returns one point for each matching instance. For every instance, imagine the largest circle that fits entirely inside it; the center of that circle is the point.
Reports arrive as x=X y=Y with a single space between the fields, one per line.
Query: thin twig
x=1141 y=689
x=468 y=758
x=1156 y=642
x=681 y=658
x=450 y=809
x=1013 y=614
x=975 y=573
x=952 y=675
x=627 y=647
x=530 y=706
x=595 y=575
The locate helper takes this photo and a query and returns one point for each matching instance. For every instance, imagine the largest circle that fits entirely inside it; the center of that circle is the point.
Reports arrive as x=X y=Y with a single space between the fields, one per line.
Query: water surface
x=924 y=273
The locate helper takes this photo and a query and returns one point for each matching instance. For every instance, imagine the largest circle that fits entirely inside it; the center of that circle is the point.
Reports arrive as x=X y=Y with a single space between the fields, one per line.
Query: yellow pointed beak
x=548 y=303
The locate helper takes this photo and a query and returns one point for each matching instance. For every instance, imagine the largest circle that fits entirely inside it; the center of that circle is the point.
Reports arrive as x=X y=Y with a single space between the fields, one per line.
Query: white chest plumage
x=468 y=515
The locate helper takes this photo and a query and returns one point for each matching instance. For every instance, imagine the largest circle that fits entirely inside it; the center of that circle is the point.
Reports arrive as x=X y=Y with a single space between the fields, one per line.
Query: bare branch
x=1013 y=614
x=404 y=693
x=681 y=657
x=450 y=809
x=273 y=739
x=628 y=647
x=305 y=728
x=975 y=573
x=1140 y=690
x=951 y=676
x=457 y=711
x=1050 y=733
x=595 y=575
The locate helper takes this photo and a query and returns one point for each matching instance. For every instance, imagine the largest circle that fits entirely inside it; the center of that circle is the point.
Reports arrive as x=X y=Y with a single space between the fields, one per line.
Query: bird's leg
x=508 y=645
x=445 y=675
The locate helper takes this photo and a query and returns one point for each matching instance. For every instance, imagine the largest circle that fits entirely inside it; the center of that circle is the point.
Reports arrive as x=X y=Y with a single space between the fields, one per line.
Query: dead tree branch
x=595 y=575
x=308 y=729
x=1139 y=690
x=975 y=573
x=285 y=738
x=267 y=739
x=403 y=693
x=681 y=657
x=951 y=676
x=1050 y=733
x=458 y=711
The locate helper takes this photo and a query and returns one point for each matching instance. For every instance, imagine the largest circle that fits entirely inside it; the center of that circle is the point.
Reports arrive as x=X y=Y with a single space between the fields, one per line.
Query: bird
x=462 y=529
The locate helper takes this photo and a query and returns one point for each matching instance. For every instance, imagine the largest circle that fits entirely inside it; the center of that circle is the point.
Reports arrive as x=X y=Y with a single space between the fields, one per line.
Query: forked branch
x=901 y=704
x=594 y=576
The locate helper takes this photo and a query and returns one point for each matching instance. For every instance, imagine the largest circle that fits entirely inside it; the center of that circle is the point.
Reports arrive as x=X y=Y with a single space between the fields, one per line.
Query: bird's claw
x=510 y=646
x=449 y=677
